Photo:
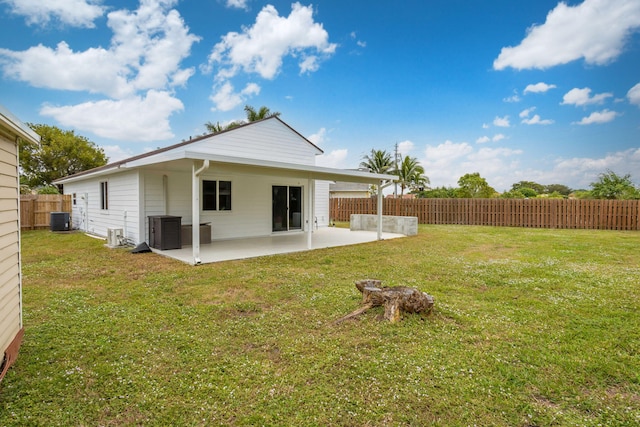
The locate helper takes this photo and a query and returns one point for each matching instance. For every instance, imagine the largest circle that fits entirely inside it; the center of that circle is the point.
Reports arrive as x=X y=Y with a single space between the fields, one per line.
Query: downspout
x=195 y=210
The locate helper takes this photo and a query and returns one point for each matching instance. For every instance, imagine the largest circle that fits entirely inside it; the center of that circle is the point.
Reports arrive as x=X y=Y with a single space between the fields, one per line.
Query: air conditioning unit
x=60 y=221
x=115 y=237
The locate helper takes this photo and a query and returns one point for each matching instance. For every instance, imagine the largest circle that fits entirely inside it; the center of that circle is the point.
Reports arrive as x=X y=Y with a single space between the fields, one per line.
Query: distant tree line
x=609 y=185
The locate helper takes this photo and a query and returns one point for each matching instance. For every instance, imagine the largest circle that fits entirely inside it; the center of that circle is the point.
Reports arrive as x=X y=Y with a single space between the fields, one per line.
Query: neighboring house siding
x=10 y=304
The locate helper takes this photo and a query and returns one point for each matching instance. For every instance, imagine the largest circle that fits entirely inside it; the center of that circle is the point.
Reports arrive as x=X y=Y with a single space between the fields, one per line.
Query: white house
x=11 y=327
x=258 y=179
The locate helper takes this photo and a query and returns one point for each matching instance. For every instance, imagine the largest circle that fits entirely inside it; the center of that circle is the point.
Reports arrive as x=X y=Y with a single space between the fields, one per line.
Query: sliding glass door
x=286 y=208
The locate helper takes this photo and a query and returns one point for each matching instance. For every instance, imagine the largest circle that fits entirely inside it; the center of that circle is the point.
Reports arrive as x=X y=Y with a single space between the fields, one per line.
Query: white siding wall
x=322 y=203
x=251 y=209
x=10 y=319
x=268 y=140
x=123 y=205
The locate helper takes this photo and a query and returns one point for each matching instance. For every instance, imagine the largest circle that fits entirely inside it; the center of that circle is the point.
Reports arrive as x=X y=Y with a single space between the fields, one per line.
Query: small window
x=209 y=195
x=104 y=195
x=74 y=199
x=216 y=195
x=225 y=195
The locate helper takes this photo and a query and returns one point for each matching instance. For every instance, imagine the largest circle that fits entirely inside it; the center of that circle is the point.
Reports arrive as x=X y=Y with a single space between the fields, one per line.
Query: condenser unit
x=115 y=237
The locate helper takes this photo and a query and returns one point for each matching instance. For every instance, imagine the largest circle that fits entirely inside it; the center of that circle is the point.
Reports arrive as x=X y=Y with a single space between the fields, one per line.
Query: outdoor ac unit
x=115 y=237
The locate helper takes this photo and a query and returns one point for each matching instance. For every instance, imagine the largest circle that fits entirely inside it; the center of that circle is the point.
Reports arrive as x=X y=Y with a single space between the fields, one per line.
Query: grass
x=531 y=328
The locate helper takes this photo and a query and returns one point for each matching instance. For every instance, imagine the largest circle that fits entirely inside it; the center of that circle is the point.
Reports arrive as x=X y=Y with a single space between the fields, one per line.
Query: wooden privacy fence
x=35 y=210
x=537 y=213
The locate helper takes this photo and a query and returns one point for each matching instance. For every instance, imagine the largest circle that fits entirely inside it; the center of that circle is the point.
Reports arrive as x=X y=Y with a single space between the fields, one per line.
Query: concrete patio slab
x=226 y=250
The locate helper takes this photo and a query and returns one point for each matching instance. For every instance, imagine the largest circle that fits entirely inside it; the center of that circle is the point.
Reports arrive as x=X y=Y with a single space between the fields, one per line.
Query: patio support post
x=380 y=209
x=195 y=210
x=309 y=209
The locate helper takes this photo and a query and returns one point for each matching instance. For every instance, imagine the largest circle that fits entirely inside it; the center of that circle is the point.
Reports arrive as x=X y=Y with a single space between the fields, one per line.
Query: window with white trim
x=104 y=195
x=216 y=195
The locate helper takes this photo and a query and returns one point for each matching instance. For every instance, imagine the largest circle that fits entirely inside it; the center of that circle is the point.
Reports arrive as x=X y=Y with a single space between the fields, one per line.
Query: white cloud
x=238 y=4
x=405 y=147
x=634 y=95
x=447 y=162
x=580 y=97
x=76 y=13
x=225 y=98
x=513 y=98
x=335 y=159
x=318 y=138
x=536 y=120
x=538 y=88
x=502 y=122
x=579 y=172
x=115 y=153
x=484 y=139
x=598 y=117
x=142 y=61
x=132 y=119
x=262 y=47
x=595 y=30
x=526 y=112
x=446 y=152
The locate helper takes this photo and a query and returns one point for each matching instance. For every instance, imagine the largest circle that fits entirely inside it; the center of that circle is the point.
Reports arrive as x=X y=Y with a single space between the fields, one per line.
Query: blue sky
x=515 y=90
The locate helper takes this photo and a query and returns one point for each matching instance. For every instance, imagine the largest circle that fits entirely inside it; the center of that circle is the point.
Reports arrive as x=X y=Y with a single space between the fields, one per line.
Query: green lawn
x=531 y=328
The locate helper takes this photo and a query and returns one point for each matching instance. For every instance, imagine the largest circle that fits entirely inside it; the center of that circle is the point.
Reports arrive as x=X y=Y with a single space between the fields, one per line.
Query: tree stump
x=396 y=299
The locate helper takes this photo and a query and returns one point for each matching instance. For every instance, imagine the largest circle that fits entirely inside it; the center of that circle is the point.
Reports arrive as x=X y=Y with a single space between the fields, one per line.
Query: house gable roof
x=273 y=153
x=162 y=154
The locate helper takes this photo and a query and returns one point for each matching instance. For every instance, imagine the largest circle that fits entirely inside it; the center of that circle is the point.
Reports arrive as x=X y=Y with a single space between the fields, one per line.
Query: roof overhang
x=308 y=171
x=16 y=127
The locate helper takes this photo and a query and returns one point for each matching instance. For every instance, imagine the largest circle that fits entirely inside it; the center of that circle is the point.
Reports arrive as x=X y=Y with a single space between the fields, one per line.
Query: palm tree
x=411 y=174
x=252 y=116
x=378 y=161
x=214 y=127
x=262 y=113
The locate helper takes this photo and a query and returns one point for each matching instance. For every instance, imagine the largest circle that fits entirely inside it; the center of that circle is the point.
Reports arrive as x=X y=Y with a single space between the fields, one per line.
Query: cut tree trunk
x=396 y=299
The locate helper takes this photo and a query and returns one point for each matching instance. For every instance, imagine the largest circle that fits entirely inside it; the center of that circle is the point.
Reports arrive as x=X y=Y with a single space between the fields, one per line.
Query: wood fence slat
x=35 y=210
x=535 y=213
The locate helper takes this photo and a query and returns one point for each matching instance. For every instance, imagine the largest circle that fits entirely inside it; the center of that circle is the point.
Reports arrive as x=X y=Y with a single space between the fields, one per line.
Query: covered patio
x=227 y=250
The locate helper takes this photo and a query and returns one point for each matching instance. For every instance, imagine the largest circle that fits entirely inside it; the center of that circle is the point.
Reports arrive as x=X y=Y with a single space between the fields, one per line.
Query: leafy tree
x=612 y=186
x=48 y=189
x=513 y=194
x=562 y=189
x=554 y=195
x=438 y=193
x=472 y=185
x=581 y=194
x=538 y=188
x=411 y=174
x=59 y=154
